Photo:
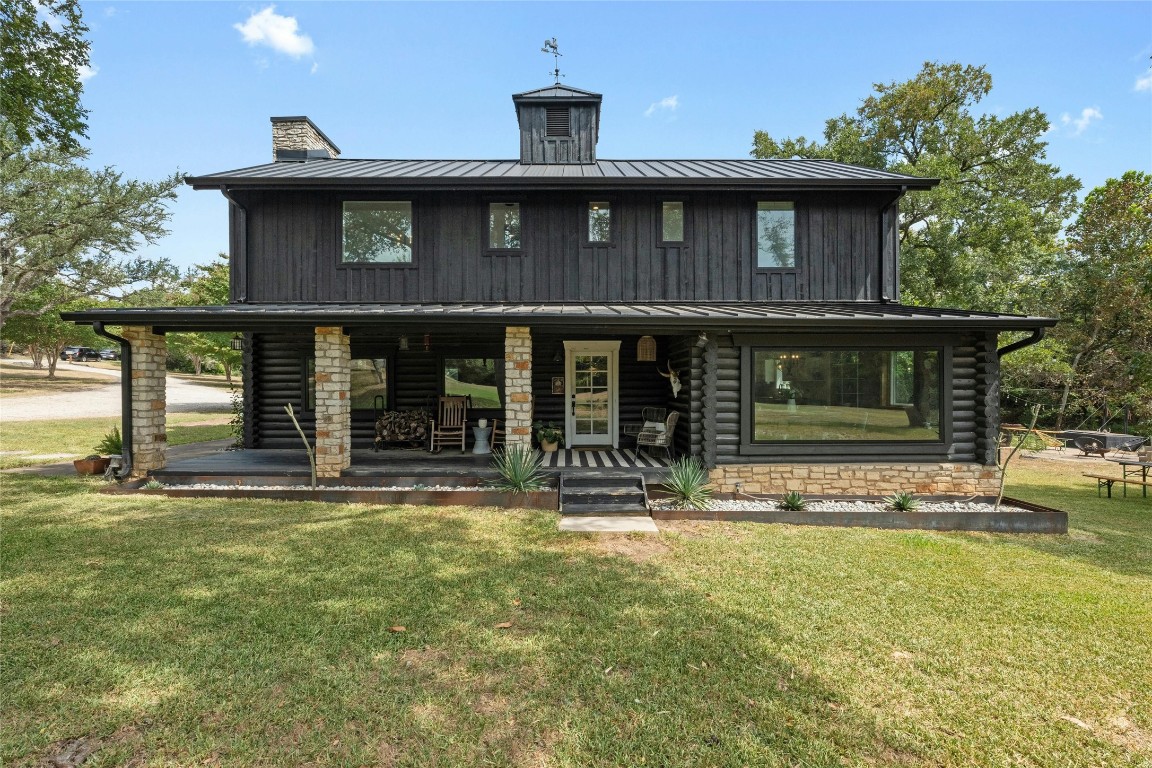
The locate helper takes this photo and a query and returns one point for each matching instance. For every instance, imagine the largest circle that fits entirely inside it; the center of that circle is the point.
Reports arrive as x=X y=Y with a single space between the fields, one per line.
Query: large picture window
x=369 y=380
x=377 y=232
x=822 y=395
x=473 y=376
x=775 y=235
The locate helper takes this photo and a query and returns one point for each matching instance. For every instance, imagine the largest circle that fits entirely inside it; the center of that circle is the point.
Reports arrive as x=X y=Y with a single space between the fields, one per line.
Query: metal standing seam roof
x=337 y=172
x=730 y=315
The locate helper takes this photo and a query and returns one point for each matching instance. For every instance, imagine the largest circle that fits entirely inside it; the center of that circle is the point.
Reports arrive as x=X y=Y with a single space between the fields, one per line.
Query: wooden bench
x=1104 y=481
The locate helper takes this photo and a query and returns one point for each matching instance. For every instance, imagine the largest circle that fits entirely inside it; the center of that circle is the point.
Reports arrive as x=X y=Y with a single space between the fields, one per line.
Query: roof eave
x=555 y=183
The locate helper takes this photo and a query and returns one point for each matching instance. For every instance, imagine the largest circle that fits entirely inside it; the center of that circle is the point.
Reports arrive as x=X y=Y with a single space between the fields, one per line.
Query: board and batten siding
x=845 y=250
x=973 y=403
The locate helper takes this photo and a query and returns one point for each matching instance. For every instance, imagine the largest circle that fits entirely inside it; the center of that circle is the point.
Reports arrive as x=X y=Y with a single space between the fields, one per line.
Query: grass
x=22 y=381
x=252 y=633
x=76 y=438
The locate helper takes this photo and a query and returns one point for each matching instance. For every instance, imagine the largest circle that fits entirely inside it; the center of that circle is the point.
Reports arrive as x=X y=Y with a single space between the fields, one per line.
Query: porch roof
x=744 y=316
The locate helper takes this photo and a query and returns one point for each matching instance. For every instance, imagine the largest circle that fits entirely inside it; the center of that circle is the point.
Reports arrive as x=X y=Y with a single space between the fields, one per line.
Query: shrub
x=793 y=501
x=112 y=444
x=547 y=432
x=520 y=469
x=902 y=501
x=688 y=483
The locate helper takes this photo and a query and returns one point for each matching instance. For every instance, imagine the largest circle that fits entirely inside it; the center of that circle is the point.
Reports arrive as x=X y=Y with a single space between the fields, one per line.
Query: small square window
x=672 y=222
x=504 y=226
x=775 y=235
x=377 y=232
x=599 y=222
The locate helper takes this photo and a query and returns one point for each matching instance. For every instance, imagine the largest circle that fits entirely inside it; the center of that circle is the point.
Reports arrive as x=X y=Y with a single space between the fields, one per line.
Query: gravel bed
x=830 y=505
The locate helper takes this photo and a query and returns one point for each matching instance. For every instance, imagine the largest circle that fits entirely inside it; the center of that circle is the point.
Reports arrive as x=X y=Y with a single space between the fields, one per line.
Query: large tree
x=42 y=53
x=988 y=232
x=63 y=222
x=206 y=285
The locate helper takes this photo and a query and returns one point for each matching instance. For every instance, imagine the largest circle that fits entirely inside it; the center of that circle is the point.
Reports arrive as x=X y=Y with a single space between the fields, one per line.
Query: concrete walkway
x=173 y=452
x=591 y=524
x=183 y=397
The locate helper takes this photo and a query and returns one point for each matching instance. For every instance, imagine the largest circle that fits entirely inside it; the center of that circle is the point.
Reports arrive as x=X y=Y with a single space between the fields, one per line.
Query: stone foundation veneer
x=333 y=401
x=518 y=385
x=858 y=479
x=149 y=398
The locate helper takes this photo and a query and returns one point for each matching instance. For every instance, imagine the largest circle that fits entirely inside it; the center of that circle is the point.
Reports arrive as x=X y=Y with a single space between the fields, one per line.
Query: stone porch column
x=333 y=406
x=149 y=399
x=518 y=385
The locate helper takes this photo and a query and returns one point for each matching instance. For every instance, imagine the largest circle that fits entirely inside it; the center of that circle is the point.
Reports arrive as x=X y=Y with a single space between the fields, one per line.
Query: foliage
x=112 y=444
x=793 y=501
x=547 y=432
x=205 y=285
x=62 y=222
x=688 y=482
x=903 y=501
x=47 y=334
x=42 y=51
x=520 y=468
x=236 y=423
x=987 y=233
x=152 y=485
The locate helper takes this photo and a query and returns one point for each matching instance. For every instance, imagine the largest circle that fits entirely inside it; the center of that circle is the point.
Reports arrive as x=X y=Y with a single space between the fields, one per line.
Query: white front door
x=591 y=373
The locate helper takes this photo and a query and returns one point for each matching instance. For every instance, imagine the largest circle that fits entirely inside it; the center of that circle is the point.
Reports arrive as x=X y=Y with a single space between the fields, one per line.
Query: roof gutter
x=1036 y=337
x=125 y=398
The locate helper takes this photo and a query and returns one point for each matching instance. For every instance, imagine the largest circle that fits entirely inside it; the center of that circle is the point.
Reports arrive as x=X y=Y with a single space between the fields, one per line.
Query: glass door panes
x=591 y=396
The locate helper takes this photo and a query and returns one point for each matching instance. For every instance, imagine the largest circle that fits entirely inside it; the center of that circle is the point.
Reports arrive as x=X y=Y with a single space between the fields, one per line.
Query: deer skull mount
x=673 y=379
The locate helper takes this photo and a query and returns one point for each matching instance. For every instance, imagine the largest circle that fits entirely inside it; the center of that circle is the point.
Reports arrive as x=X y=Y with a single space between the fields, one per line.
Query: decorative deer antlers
x=673 y=379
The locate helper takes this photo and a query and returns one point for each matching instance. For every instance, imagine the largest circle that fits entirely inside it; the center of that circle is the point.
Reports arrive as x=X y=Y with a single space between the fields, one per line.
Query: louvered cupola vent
x=559 y=125
x=559 y=121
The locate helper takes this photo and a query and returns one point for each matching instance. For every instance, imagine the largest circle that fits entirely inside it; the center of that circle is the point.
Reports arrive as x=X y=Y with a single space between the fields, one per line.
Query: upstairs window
x=599 y=222
x=557 y=121
x=377 y=232
x=672 y=222
x=504 y=226
x=775 y=235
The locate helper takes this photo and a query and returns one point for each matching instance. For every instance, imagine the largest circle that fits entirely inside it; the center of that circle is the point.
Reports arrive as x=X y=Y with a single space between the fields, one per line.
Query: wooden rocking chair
x=451 y=422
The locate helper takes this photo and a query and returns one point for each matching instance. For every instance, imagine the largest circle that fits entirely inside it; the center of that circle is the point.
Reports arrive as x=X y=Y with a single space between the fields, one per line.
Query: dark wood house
x=759 y=300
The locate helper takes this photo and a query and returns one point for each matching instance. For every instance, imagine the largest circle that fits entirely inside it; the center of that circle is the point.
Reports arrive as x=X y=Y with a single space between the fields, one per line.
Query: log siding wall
x=845 y=246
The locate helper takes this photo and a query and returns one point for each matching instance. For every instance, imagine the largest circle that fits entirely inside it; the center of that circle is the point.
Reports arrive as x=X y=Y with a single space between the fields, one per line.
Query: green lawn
x=197 y=632
x=76 y=438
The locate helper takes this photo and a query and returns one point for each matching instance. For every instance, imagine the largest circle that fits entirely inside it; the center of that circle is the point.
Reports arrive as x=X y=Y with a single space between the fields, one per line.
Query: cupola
x=558 y=125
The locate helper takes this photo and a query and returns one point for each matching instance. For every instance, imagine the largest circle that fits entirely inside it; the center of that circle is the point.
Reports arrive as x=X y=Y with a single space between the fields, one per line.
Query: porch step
x=583 y=495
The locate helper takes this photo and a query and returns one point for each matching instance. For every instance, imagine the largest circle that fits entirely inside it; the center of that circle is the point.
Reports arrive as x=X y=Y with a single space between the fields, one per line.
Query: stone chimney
x=298 y=139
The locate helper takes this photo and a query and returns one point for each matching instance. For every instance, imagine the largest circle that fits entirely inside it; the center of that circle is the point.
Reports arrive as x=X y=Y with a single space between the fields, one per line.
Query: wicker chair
x=451 y=423
x=655 y=438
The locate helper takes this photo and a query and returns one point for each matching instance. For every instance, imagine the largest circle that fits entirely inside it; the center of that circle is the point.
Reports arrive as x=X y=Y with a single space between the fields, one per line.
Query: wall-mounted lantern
x=402 y=343
x=237 y=343
x=646 y=349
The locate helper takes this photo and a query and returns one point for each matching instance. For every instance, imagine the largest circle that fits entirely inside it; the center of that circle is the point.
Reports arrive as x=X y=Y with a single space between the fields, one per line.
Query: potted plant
x=96 y=464
x=549 y=435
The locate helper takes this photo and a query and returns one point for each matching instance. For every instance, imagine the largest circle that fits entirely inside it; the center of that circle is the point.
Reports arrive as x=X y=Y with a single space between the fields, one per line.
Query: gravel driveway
x=183 y=397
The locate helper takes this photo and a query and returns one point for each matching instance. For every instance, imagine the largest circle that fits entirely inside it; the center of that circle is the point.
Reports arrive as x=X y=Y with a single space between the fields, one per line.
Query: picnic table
x=1132 y=468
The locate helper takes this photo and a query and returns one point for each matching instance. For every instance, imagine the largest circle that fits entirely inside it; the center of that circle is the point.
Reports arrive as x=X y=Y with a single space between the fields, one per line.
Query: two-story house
x=758 y=299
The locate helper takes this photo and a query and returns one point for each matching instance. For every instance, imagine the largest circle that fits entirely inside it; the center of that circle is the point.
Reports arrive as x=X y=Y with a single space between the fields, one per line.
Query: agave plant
x=903 y=501
x=793 y=501
x=520 y=469
x=689 y=484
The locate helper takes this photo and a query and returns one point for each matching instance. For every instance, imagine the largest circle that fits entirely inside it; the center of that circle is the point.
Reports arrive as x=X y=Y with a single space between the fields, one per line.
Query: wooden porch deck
x=272 y=463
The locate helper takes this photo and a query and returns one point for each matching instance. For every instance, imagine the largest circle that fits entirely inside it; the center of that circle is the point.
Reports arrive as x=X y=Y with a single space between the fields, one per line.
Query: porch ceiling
x=668 y=317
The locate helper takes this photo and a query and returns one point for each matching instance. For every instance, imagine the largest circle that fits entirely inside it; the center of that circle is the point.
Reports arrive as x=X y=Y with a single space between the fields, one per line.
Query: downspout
x=125 y=398
x=241 y=261
x=1035 y=338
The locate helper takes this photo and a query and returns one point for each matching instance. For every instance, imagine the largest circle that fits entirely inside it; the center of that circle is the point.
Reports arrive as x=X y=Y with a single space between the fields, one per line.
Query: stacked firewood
x=402 y=427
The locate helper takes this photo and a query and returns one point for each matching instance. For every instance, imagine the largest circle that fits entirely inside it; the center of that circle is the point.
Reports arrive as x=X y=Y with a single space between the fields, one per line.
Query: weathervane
x=550 y=46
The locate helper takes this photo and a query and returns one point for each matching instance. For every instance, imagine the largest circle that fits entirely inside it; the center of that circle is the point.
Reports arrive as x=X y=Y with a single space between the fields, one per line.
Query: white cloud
x=315 y=66
x=669 y=104
x=87 y=72
x=110 y=11
x=1144 y=82
x=280 y=33
x=1081 y=123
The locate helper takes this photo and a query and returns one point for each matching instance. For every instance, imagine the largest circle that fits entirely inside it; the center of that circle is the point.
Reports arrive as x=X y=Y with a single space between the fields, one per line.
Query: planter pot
x=548 y=447
x=91 y=466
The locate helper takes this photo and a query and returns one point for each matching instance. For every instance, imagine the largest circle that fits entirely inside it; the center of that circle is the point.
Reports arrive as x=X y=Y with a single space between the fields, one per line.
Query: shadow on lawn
x=256 y=633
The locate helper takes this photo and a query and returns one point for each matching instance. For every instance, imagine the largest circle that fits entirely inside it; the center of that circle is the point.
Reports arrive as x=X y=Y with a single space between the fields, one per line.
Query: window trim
x=389 y=374
x=613 y=222
x=756 y=236
x=684 y=234
x=486 y=227
x=933 y=450
x=341 y=264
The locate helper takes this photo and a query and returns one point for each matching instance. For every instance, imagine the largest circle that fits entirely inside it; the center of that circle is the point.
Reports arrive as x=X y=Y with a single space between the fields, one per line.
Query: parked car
x=109 y=354
x=80 y=354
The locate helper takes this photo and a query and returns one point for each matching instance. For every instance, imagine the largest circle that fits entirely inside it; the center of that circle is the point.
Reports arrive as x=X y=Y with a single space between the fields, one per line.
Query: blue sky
x=190 y=86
